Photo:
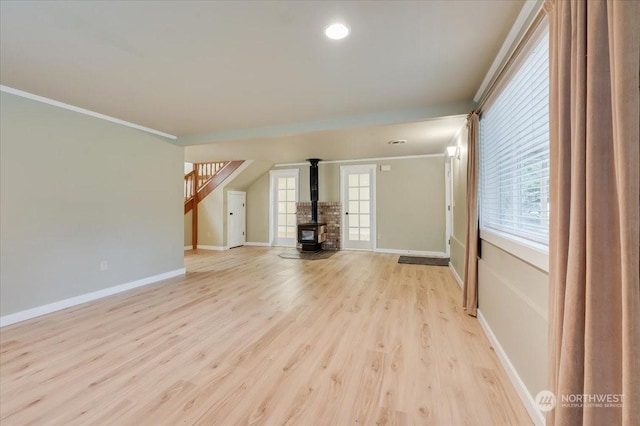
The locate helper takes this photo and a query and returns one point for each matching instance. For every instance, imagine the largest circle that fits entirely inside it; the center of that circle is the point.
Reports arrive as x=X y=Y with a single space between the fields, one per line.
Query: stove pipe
x=313 y=186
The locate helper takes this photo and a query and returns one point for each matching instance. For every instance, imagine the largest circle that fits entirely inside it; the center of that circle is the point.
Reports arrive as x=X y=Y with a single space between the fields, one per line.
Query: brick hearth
x=329 y=213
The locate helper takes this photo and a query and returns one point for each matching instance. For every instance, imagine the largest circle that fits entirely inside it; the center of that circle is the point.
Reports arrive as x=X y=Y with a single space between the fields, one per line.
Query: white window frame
x=532 y=252
x=273 y=178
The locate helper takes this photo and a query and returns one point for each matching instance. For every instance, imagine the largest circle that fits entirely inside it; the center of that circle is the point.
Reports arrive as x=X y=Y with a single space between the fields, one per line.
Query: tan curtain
x=470 y=288
x=594 y=320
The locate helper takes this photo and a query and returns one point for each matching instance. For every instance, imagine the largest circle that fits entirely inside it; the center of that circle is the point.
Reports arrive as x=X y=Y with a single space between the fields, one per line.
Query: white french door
x=358 y=206
x=284 y=195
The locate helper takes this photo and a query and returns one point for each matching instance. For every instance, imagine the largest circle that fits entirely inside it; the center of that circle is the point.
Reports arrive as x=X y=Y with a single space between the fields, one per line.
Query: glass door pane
x=358 y=193
x=285 y=195
x=286 y=207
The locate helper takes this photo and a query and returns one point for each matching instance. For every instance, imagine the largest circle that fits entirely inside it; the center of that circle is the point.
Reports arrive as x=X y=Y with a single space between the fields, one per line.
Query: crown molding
x=94 y=114
x=360 y=160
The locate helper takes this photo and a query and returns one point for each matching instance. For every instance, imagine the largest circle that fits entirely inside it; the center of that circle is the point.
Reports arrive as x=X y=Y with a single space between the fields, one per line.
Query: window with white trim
x=514 y=152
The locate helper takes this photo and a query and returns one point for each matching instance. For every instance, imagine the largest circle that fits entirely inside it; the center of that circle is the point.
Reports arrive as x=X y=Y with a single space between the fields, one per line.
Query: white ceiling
x=215 y=71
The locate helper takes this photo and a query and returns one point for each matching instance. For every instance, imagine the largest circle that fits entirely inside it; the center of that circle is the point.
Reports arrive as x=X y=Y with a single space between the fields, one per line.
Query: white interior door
x=236 y=218
x=358 y=206
x=448 y=206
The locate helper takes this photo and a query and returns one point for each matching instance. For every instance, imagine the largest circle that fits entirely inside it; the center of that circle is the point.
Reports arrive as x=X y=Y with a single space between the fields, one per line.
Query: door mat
x=295 y=254
x=431 y=261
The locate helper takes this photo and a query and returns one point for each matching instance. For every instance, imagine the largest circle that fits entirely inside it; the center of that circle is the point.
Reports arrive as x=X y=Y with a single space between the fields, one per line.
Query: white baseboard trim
x=219 y=248
x=412 y=252
x=529 y=403
x=455 y=275
x=84 y=298
x=188 y=247
x=257 y=244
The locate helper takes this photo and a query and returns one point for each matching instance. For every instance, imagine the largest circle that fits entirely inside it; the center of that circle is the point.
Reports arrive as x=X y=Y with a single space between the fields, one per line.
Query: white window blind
x=514 y=151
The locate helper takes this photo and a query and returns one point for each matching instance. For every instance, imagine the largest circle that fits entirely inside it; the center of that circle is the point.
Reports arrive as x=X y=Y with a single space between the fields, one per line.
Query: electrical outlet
x=104 y=265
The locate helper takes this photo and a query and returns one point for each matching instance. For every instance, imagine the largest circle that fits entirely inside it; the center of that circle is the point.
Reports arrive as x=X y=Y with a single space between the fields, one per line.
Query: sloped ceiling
x=425 y=137
x=254 y=170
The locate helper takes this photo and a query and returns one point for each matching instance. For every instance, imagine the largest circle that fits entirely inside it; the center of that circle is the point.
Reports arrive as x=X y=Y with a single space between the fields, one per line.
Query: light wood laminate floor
x=249 y=338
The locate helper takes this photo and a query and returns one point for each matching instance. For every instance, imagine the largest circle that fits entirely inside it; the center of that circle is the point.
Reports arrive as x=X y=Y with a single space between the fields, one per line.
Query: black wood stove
x=311 y=235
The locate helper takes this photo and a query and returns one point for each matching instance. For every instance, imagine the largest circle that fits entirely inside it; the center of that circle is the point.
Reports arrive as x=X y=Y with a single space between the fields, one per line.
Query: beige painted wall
x=459 y=203
x=512 y=294
x=188 y=227
x=410 y=200
x=212 y=211
x=211 y=219
x=258 y=210
x=75 y=191
x=411 y=205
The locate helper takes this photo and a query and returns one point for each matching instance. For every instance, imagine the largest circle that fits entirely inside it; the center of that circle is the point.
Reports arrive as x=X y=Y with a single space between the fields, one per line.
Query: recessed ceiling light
x=397 y=142
x=336 y=31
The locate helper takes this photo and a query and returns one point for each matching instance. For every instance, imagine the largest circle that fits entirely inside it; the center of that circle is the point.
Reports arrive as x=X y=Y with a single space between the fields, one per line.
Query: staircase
x=200 y=182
